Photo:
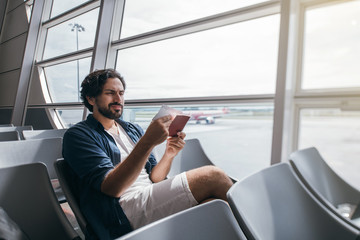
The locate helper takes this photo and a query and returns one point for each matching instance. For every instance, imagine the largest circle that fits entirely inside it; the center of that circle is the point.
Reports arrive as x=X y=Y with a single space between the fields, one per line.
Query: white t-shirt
x=144 y=202
x=126 y=145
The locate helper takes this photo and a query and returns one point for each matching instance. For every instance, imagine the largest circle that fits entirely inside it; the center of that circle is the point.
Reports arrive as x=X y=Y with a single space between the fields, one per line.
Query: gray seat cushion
x=9 y=230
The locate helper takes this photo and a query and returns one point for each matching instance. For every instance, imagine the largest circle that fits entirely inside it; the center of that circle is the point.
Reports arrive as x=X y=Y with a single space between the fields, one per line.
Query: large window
x=331 y=46
x=207 y=56
x=329 y=92
x=236 y=137
x=232 y=60
x=68 y=38
x=64 y=80
x=73 y=35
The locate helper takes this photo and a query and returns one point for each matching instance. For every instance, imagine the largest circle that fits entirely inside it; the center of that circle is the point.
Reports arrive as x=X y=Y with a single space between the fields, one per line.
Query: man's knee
x=214 y=173
x=208 y=176
x=208 y=182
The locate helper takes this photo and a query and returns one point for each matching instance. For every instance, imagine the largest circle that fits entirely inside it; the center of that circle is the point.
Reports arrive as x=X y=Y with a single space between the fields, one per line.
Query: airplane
x=206 y=115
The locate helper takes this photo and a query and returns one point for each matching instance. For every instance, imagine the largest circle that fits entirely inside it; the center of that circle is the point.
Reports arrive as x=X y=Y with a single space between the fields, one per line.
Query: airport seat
x=29 y=151
x=190 y=157
x=6 y=125
x=28 y=198
x=9 y=136
x=210 y=221
x=62 y=170
x=45 y=133
x=10 y=229
x=274 y=204
x=20 y=129
x=330 y=189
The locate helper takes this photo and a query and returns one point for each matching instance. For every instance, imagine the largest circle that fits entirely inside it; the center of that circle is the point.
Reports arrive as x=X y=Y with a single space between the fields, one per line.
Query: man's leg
x=208 y=183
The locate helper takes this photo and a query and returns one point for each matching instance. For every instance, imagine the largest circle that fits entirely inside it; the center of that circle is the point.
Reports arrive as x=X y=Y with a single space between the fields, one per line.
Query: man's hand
x=175 y=144
x=158 y=130
x=173 y=147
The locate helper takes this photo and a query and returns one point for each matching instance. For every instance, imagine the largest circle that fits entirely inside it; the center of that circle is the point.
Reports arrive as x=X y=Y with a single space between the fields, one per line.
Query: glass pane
x=236 y=138
x=60 y=6
x=70 y=116
x=331 y=46
x=143 y=16
x=75 y=34
x=64 y=80
x=336 y=135
x=230 y=60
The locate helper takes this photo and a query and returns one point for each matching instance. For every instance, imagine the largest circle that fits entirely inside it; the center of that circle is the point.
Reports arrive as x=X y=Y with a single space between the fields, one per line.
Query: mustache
x=116 y=103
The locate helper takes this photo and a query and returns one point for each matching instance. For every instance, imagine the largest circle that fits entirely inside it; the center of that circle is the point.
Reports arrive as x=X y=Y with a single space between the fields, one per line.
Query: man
x=119 y=183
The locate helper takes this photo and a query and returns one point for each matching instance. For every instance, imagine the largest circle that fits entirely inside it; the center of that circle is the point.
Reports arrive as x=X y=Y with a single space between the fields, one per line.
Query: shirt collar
x=95 y=123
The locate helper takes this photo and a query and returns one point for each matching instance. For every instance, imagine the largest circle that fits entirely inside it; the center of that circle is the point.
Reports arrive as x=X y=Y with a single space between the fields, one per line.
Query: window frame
x=342 y=98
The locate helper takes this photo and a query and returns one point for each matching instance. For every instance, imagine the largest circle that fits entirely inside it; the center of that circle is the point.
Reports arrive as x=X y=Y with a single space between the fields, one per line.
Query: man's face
x=110 y=102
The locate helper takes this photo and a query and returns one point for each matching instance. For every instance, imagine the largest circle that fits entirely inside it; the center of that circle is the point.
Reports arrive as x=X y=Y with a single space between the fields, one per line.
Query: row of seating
x=27 y=196
x=281 y=202
x=274 y=203
x=44 y=149
x=15 y=133
x=271 y=204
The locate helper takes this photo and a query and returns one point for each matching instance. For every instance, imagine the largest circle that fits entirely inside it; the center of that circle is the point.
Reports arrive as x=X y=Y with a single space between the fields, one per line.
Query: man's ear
x=91 y=100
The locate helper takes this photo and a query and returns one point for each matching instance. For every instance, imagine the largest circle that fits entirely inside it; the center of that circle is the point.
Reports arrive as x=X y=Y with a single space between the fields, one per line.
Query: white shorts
x=157 y=201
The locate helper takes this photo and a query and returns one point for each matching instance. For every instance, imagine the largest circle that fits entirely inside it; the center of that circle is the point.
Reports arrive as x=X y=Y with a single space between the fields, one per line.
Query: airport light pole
x=77 y=28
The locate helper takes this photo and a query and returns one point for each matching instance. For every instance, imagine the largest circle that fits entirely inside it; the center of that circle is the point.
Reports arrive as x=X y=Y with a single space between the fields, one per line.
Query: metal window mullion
x=283 y=124
x=251 y=99
x=43 y=31
x=263 y=98
x=103 y=34
x=115 y=32
x=66 y=58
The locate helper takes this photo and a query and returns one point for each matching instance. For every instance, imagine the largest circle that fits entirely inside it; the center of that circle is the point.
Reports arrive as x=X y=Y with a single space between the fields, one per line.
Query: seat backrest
x=46 y=133
x=9 y=136
x=20 y=129
x=27 y=196
x=191 y=156
x=324 y=182
x=37 y=150
x=63 y=172
x=318 y=175
x=209 y=221
x=273 y=204
x=9 y=229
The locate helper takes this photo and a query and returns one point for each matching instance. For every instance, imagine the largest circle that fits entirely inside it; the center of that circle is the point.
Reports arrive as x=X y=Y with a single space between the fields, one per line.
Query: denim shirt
x=91 y=153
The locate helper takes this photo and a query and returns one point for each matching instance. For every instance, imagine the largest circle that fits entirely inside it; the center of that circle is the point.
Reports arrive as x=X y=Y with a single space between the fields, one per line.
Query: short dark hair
x=93 y=84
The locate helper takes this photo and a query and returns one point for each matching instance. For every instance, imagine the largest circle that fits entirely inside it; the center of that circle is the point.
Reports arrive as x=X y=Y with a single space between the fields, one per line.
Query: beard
x=109 y=113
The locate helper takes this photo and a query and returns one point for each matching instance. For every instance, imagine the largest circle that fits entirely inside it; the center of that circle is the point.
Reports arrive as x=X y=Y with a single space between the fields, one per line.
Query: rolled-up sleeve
x=86 y=156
